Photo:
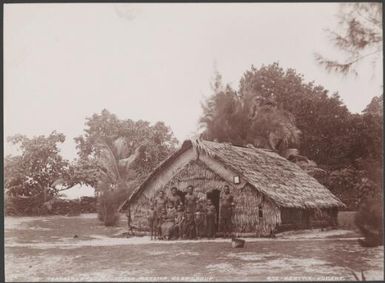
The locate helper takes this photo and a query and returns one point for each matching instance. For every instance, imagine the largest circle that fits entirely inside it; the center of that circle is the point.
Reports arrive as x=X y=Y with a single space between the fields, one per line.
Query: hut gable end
x=159 y=180
x=199 y=175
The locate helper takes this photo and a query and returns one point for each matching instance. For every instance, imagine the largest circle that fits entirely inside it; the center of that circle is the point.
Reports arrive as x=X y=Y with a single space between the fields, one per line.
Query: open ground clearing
x=44 y=249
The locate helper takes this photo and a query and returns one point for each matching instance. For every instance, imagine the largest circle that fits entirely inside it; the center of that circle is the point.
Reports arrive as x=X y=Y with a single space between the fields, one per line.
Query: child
x=200 y=221
x=211 y=218
x=189 y=227
x=167 y=226
x=179 y=222
x=161 y=218
x=153 y=223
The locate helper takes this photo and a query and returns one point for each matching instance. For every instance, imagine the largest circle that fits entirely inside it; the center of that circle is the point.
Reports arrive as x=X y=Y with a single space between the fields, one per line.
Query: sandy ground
x=44 y=249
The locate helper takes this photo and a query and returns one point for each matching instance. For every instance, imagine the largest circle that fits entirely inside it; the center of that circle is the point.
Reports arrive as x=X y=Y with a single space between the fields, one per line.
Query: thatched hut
x=270 y=192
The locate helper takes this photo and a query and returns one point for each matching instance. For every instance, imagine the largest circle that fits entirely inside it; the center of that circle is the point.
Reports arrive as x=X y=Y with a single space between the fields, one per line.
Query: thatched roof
x=277 y=178
x=274 y=176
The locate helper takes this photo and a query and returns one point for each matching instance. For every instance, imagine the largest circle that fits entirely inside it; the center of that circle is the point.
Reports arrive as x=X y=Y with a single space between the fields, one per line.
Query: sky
x=155 y=62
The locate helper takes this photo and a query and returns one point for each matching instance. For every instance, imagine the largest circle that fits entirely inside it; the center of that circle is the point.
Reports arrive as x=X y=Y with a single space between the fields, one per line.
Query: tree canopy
x=358 y=35
x=35 y=174
x=276 y=109
x=122 y=153
x=124 y=137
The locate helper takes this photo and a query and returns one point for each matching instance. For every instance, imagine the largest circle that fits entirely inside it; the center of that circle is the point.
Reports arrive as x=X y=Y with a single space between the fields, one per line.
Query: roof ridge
x=239 y=146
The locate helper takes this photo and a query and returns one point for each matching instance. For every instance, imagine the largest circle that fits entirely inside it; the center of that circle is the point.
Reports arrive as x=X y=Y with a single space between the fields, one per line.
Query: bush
x=369 y=221
x=75 y=208
x=23 y=206
x=11 y=207
x=108 y=205
x=88 y=204
x=351 y=185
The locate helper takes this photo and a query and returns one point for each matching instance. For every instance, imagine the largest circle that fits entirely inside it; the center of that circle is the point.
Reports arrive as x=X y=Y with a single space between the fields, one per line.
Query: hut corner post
x=128 y=215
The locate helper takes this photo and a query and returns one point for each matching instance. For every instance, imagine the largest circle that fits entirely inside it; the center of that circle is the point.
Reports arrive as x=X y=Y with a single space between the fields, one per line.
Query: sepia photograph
x=193 y=142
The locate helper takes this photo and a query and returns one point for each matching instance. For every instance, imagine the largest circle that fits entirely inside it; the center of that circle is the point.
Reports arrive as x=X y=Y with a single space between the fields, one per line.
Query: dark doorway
x=214 y=196
x=181 y=194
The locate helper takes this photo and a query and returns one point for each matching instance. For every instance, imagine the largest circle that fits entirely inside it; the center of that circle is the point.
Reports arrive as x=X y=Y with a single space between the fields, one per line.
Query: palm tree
x=273 y=128
x=117 y=176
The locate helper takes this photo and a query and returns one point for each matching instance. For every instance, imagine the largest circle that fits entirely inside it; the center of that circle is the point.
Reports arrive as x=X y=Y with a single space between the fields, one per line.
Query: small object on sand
x=237 y=243
x=76 y=236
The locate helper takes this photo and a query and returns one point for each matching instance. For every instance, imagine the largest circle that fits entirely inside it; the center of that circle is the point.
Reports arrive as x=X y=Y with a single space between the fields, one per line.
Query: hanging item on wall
x=236 y=180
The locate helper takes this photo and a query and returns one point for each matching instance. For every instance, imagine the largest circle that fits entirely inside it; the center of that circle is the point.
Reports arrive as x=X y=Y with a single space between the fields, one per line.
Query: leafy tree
x=105 y=128
x=84 y=172
x=369 y=218
x=359 y=36
x=122 y=152
x=375 y=107
x=32 y=178
x=309 y=105
x=367 y=136
x=277 y=108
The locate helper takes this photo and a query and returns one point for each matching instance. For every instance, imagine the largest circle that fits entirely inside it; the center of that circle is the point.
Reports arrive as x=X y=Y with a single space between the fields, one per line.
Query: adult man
x=226 y=209
x=174 y=198
x=190 y=200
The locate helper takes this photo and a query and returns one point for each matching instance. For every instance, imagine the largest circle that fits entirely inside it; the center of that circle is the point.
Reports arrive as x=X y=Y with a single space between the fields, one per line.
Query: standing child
x=211 y=218
x=153 y=223
x=189 y=227
x=179 y=222
x=161 y=218
x=200 y=221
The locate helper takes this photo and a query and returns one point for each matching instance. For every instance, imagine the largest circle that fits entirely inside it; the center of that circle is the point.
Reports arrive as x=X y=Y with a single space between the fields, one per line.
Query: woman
x=168 y=224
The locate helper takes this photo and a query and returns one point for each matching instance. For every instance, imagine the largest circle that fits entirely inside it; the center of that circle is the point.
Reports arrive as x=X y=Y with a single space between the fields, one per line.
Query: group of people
x=191 y=218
